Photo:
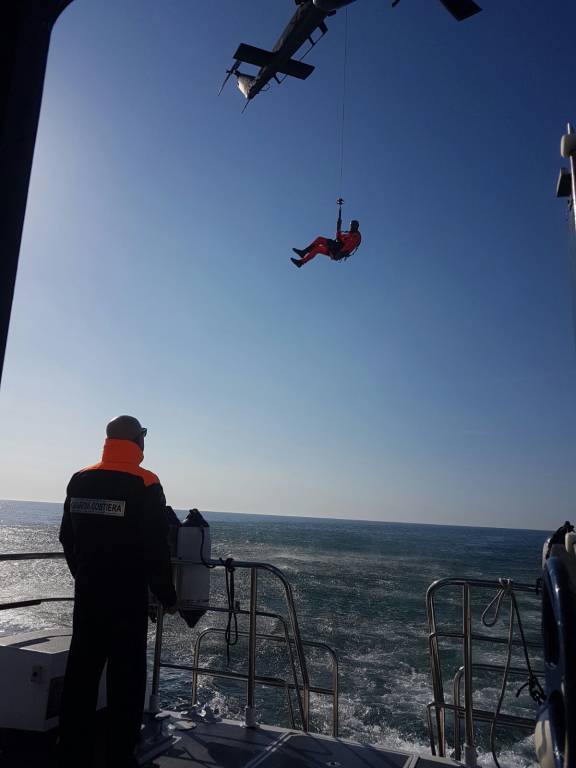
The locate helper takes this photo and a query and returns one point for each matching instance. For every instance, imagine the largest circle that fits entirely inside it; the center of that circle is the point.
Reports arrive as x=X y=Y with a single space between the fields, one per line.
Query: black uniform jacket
x=115 y=532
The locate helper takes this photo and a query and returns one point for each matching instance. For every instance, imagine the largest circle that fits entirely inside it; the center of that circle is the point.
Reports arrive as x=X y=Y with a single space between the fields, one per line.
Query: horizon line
x=312 y=517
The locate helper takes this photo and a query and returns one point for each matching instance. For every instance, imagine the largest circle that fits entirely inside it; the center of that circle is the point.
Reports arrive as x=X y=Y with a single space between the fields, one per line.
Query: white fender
x=193 y=580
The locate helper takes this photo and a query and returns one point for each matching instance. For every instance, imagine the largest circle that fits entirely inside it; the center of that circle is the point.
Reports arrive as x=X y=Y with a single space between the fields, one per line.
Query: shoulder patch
x=106 y=507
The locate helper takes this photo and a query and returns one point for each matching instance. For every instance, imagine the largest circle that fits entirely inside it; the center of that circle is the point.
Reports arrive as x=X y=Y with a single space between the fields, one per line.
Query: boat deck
x=228 y=744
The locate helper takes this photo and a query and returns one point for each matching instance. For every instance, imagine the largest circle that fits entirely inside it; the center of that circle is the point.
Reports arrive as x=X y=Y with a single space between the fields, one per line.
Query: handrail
x=229 y=674
x=289 y=596
x=33 y=556
x=334 y=692
x=196 y=669
x=467 y=636
x=519 y=722
x=28 y=602
x=263 y=614
x=34 y=601
x=485 y=638
x=479 y=714
x=302 y=690
x=254 y=567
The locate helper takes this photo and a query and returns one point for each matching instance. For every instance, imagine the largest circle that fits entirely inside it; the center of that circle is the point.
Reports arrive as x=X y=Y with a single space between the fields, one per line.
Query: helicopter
x=309 y=18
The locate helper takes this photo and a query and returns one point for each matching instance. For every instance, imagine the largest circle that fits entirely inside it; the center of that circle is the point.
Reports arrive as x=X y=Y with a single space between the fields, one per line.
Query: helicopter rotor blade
x=461 y=9
x=229 y=73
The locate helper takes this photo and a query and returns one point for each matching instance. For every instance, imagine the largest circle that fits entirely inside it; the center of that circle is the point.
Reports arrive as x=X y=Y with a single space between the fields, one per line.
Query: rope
x=343 y=118
x=505 y=590
x=231 y=631
x=230 y=635
x=533 y=684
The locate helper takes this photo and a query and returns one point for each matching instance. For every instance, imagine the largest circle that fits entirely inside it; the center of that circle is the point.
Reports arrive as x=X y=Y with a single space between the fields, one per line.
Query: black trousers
x=117 y=638
x=334 y=246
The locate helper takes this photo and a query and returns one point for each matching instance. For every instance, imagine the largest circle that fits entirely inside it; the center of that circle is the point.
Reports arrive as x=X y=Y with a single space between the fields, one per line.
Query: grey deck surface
x=228 y=744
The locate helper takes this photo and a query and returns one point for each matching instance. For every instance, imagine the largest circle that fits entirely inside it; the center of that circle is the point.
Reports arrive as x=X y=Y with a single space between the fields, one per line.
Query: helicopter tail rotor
x=229 y=73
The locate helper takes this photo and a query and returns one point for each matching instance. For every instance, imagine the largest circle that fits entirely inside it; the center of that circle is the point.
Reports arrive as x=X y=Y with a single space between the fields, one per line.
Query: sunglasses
x=143 y=432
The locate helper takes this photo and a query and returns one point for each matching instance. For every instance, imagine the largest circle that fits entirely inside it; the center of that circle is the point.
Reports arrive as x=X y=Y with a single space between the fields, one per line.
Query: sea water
x=360 y=588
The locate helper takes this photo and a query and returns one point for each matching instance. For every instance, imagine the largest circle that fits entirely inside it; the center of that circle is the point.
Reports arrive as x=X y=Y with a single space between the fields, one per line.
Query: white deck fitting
x=32 y=666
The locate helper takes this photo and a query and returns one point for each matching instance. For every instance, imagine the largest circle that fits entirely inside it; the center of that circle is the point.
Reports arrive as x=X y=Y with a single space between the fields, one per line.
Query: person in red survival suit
x=340 y=248
x=115 y=537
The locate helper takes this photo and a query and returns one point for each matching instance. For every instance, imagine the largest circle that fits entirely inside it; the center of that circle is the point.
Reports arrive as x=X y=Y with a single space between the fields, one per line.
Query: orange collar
x=121 y=452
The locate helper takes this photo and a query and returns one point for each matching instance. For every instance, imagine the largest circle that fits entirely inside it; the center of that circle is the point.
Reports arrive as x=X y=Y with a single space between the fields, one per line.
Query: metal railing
x=291 y=637
x=300 y=684
x=333 y=692
x=28 y=602
x=466 y=713
x=463 y=713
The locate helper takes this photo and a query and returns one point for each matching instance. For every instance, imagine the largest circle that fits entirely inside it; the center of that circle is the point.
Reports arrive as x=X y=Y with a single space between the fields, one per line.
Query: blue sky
x=431 y=378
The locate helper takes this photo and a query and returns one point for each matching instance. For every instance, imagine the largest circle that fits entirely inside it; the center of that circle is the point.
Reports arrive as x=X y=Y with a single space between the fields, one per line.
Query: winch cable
x=340 y=200
x=343 y=110
x=231 y=631
x=572 y=266
x=535 y=689
x=343 y=114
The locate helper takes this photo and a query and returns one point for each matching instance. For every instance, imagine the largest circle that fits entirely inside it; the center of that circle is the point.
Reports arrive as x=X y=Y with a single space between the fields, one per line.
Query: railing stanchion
x=335 y=702
x=470 y=757
x=464 y=711
x=250 y=720
x=436 y=673
x=456 y=696
x=430 y=725
x=195 y=672
x=153 y=705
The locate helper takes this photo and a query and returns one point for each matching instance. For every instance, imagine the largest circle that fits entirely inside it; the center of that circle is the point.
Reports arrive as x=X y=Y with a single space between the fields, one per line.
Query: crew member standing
x=115 y=537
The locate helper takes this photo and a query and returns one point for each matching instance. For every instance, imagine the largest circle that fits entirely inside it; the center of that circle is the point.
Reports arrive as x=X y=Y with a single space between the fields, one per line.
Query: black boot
x=300 y=252
x=296 y=262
